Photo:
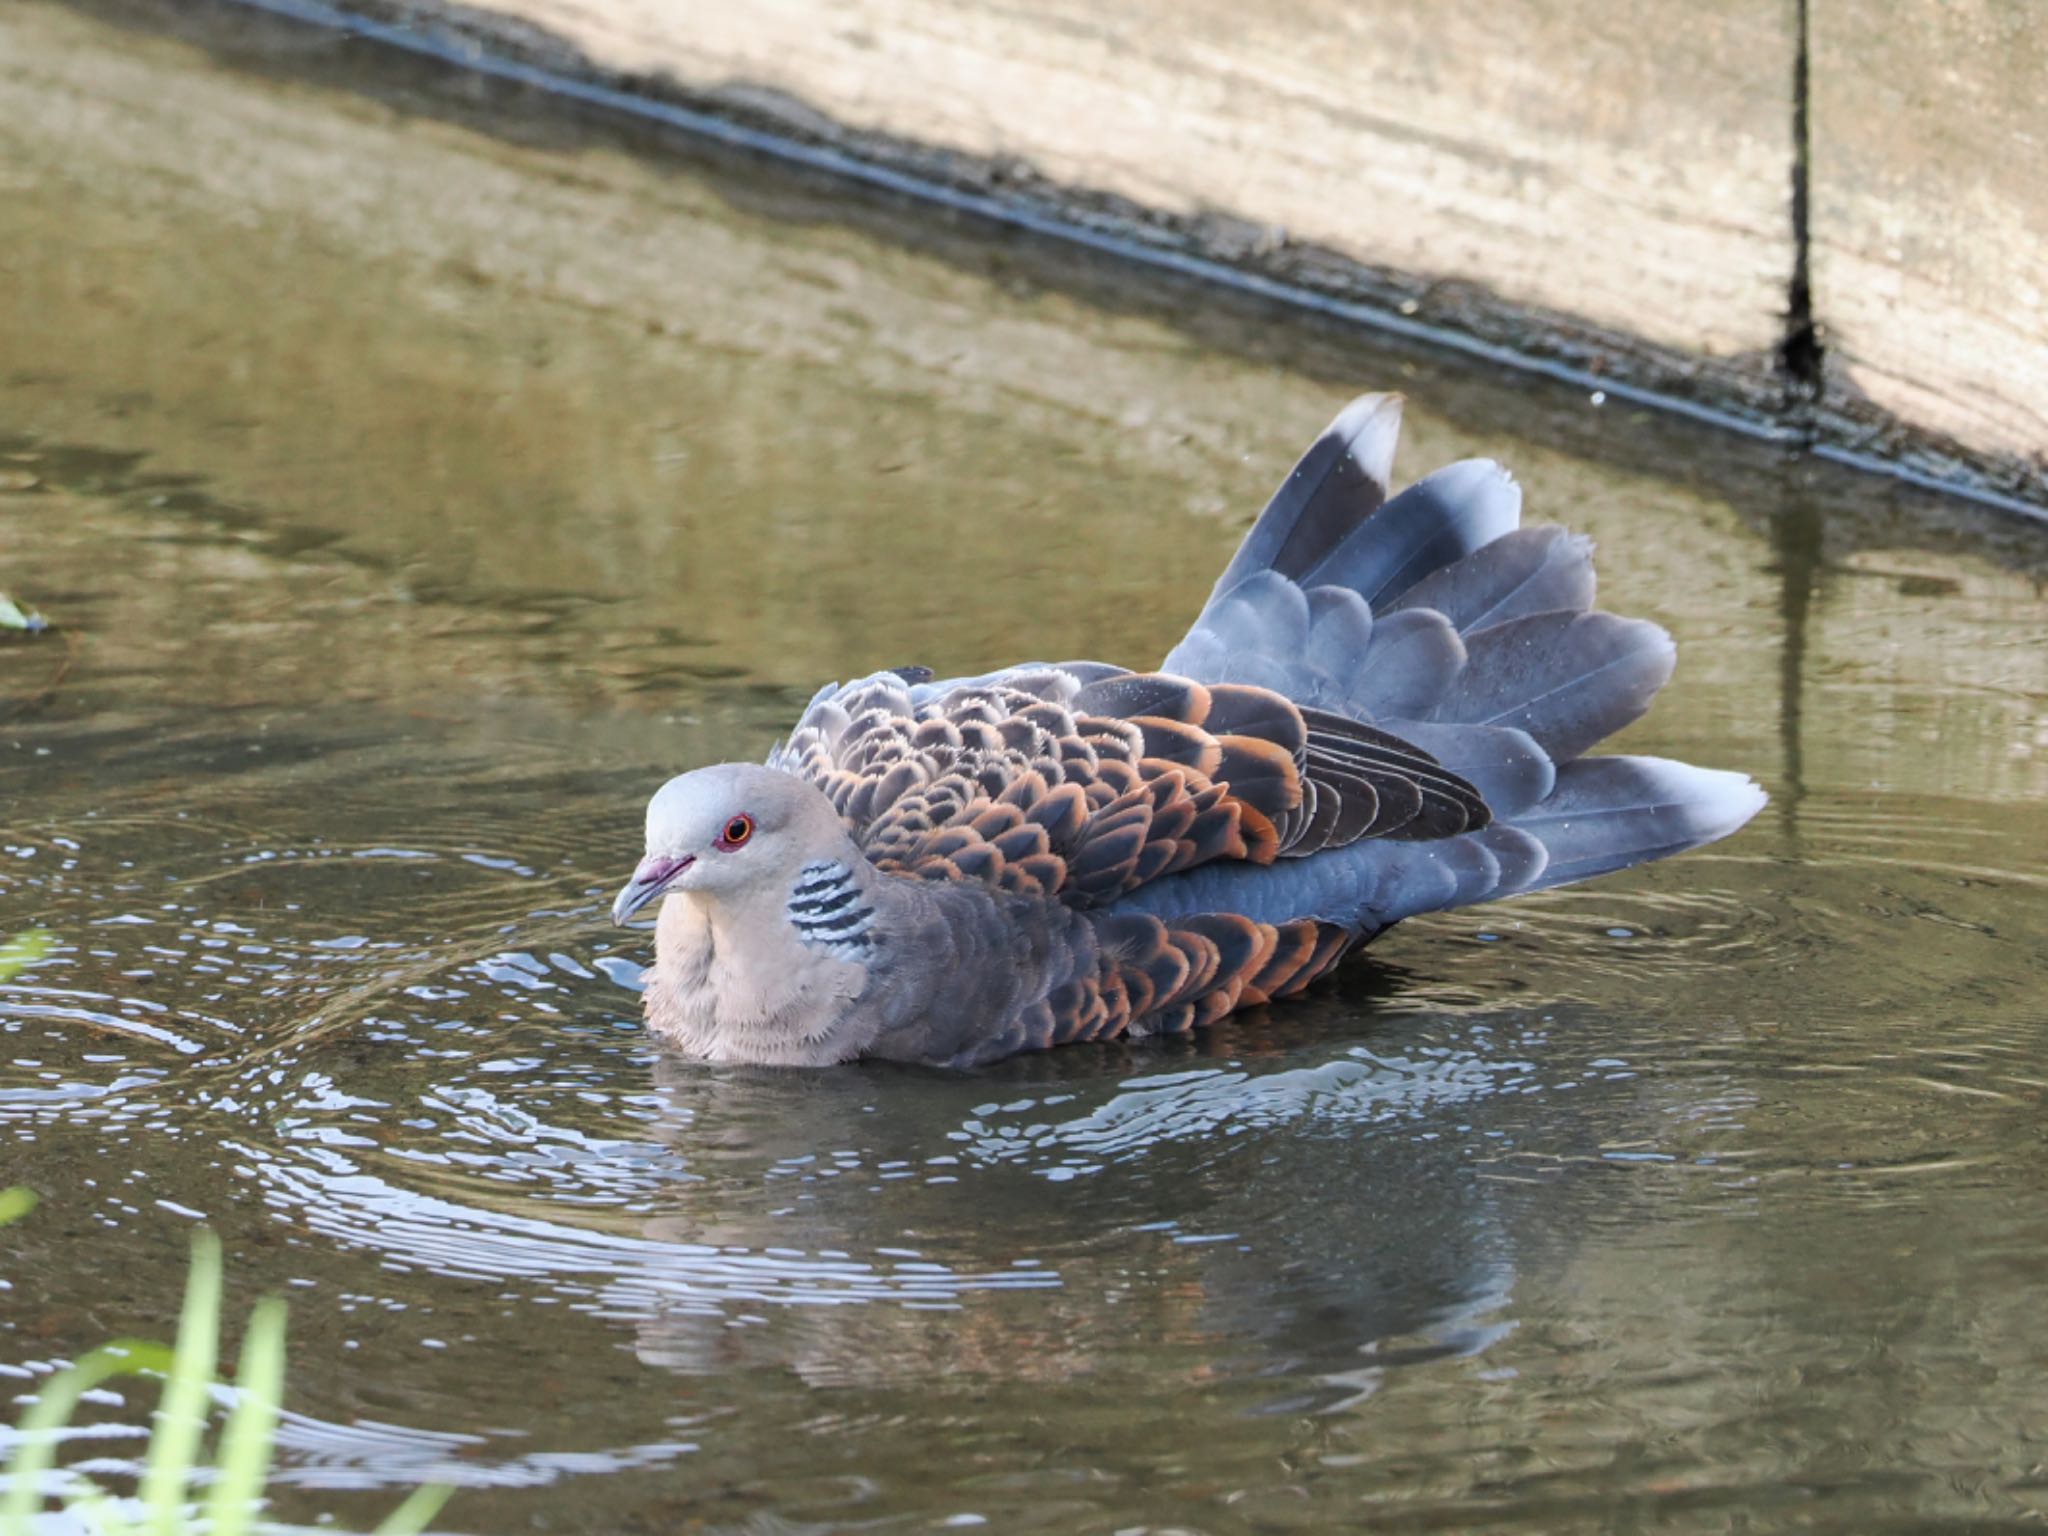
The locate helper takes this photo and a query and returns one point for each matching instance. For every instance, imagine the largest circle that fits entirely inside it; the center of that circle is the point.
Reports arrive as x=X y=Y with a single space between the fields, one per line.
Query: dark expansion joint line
x=1800 y=355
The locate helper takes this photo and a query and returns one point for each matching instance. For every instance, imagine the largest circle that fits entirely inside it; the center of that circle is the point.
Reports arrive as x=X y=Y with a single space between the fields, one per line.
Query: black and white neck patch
x=829 y=911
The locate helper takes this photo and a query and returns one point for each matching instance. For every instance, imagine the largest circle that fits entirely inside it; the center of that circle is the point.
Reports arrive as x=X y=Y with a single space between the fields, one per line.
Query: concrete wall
x=1442 y=141
x=1930 y=227
x=1607 y=185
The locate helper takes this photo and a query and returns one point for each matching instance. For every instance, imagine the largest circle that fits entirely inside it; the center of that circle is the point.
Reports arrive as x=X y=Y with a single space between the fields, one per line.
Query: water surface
x=417 y=478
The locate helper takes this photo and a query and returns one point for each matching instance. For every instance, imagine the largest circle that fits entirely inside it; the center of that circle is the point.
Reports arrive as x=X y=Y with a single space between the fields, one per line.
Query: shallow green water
x=416 y=486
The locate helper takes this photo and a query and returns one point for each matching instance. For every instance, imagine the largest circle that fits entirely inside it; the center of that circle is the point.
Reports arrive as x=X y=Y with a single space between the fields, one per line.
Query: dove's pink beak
x=649 y=881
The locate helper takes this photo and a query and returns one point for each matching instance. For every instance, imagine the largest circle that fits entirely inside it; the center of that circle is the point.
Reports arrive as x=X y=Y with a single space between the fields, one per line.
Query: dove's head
x=729 y=829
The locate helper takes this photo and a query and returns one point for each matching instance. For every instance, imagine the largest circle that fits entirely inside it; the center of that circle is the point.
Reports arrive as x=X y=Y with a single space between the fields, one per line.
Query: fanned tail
x=1433 y=616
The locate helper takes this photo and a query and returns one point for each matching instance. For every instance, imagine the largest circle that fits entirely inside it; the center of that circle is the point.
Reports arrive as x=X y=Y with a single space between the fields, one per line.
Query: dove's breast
x=732 y=984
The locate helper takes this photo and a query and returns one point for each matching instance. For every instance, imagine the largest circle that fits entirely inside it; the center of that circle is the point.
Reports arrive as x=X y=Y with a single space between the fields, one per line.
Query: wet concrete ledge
x=1725 y=214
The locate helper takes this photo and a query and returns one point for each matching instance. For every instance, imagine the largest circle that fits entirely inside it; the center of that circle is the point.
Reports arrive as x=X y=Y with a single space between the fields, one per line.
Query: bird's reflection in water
x=1256 y=1204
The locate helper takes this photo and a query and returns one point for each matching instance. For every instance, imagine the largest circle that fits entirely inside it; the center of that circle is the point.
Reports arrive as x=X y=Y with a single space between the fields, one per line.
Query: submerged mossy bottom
x=410 y=498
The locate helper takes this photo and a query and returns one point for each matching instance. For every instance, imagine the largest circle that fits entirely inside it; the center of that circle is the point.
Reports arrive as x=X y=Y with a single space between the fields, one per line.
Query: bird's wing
x=1083 y=782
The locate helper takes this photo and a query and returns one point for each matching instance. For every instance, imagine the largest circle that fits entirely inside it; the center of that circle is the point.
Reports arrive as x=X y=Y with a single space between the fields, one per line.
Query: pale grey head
x=728 y=829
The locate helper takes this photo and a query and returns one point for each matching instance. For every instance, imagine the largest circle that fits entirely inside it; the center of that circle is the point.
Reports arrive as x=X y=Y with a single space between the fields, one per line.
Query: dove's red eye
x=736 y=832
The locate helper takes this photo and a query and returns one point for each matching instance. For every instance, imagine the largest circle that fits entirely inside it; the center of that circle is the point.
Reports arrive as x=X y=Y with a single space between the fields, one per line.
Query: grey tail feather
x=1606 y=813
x=1570 y=680
x=1338 y=484
x=1440 y=519
x=1530 y=571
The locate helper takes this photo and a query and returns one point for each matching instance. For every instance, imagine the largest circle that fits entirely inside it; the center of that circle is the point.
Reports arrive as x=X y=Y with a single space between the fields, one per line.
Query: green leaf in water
x=15 y=1203
x=22 y=951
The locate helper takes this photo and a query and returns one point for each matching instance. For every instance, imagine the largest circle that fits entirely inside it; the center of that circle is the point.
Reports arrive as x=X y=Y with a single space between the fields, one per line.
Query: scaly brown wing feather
x=1082 y=783
x=1151 y=977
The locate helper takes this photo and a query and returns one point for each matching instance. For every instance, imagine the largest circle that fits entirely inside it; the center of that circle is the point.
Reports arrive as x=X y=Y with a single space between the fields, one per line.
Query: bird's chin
x=653 y=879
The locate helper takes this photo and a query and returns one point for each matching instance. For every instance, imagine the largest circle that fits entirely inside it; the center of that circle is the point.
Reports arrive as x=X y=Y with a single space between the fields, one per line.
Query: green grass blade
x=249 y=1440
x=180 y=1418
x=418 y=1510
x=248 y=1443
x=56 y=1400
x=16 y=1202
x=145 y=1357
